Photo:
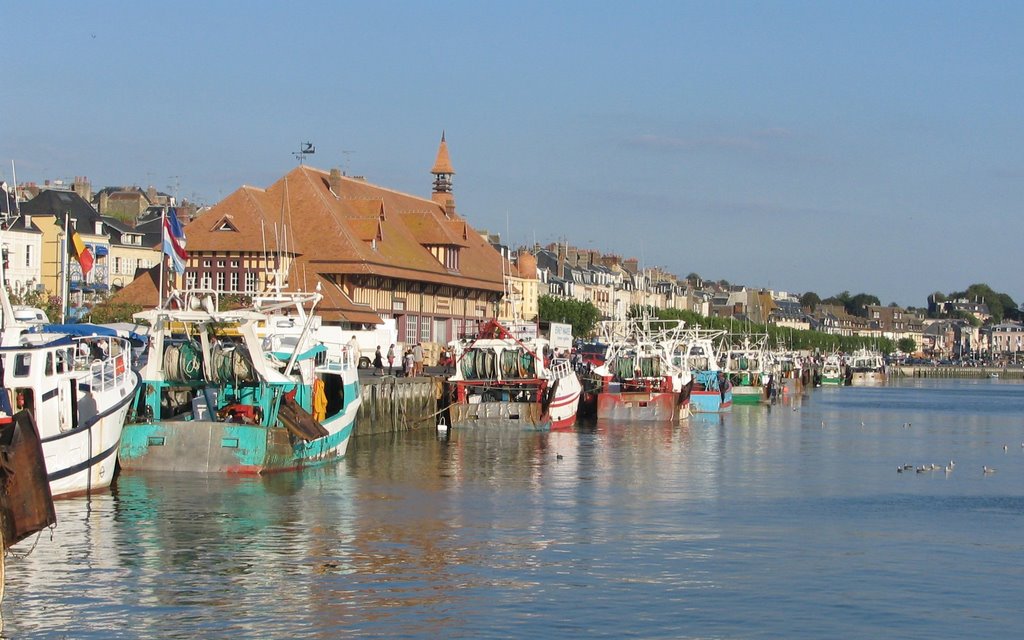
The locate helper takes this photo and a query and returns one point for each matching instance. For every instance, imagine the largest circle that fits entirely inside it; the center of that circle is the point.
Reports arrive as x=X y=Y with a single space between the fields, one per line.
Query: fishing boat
x=240 y=391
x=712 y=389
x=832 y=370
x=867 y=367
x=77 y=383
x=749 y=367
x=639 y=381
x=499 y=378
x=788 y=373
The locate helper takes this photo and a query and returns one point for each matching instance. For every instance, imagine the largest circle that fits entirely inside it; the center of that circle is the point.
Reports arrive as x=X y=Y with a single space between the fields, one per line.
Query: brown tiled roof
x=335 y=305
x=428 y=230
x=330 y=230
x=141 y=291
x=338 y=306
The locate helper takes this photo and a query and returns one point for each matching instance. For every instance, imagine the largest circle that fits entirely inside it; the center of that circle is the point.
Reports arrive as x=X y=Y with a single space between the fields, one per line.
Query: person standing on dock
x=378 y=362
x=353 y=349
x=391 y=360
x=409 y=363
x=417 y=359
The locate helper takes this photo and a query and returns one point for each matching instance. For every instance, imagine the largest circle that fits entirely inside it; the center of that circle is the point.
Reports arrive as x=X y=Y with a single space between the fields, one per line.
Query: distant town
x=415 y=263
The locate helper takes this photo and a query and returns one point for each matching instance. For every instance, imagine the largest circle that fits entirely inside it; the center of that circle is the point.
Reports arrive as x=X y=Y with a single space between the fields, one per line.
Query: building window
x=206 y=263
x=220 y=281
x=411 y=328
x=206 y=282
x=250 y=281
x=425 y=329
x=441 y=330
x=117 y=265
x=234 y=264
x=234 y=281
x=190 y=279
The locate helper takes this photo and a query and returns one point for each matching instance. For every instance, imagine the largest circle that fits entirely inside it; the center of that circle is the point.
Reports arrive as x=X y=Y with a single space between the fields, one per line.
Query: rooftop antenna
x=344 y=164
x=305 y=149
x=175 y=185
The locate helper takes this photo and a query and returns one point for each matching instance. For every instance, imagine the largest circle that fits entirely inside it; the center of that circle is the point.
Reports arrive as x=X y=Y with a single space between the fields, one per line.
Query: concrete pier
x=940 y=371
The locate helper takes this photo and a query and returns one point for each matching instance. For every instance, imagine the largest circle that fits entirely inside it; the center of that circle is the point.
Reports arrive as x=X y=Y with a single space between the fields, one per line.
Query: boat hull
x=84 y=459
x=712 y=401
x=207 y=446
x=565 y=405
x=638 y=406
x=747 y=395
x=867 y=378
x=526 y=415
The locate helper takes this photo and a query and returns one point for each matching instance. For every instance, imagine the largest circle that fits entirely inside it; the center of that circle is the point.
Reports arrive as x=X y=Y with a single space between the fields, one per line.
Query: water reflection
x=611 y=529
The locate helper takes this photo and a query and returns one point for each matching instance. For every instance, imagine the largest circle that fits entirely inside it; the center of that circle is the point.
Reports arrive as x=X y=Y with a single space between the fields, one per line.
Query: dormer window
x=225 y=224
x=448 y=255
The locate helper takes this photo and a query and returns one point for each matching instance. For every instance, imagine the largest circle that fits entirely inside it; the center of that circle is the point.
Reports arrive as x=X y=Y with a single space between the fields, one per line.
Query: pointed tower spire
x=443 y=173
x=443 y=164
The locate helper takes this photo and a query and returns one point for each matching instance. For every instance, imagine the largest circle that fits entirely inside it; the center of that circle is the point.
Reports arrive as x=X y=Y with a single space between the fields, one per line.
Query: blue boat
x=234 y=392
x=712 y=390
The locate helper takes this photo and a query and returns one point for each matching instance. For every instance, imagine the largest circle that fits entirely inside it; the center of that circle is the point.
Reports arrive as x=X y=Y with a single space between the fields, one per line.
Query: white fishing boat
x=77 y=384
x=748 y=365
x=832 y=370
x=867 y=367
x=788 y=373
x=638 y=379
x=500 y=378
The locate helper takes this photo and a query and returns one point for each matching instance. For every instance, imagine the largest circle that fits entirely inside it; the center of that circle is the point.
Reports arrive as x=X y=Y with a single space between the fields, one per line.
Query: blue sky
x=805 y=146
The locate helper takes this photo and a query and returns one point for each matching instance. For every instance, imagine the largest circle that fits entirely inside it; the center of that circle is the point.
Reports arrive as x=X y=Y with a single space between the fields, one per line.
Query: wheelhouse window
x=22 y=364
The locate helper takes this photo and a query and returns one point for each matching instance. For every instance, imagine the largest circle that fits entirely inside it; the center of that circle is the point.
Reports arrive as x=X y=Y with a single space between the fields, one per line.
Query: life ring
x=119 y=365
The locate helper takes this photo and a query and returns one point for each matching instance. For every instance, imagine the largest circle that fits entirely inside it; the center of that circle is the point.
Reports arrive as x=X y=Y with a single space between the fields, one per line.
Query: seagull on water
x=988 y=470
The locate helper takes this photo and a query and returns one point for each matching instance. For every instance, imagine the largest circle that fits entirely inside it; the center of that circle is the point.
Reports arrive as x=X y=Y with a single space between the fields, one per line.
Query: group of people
x=411 y=363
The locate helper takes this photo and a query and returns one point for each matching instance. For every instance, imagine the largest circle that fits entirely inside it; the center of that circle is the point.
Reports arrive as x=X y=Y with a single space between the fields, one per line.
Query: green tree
x=840 y=299
x=907 y=345
x=858 y=304
x=810 y=300
x=44 y=300
x=1000 y=305
x=583 y=316
x=107 y=312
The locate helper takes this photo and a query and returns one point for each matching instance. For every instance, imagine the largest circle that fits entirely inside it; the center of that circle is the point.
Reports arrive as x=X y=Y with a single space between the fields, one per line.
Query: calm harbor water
x=788 y=522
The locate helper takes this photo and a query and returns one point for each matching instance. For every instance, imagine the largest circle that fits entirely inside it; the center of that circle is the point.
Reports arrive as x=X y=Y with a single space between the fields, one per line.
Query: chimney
x=82 y=188
x=561 y=260
x=151 y=194
x=335 y=181
x=104 y=202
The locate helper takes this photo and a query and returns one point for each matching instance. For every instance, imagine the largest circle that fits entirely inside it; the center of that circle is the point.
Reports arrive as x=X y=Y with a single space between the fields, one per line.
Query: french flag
x=174 y=241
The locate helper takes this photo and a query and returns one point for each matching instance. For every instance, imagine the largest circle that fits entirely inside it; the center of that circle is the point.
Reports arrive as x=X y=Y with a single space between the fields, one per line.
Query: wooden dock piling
x=393 y=404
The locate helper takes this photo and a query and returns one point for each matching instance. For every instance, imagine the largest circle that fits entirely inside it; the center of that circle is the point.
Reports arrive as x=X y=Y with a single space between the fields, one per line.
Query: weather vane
x=305 y=149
